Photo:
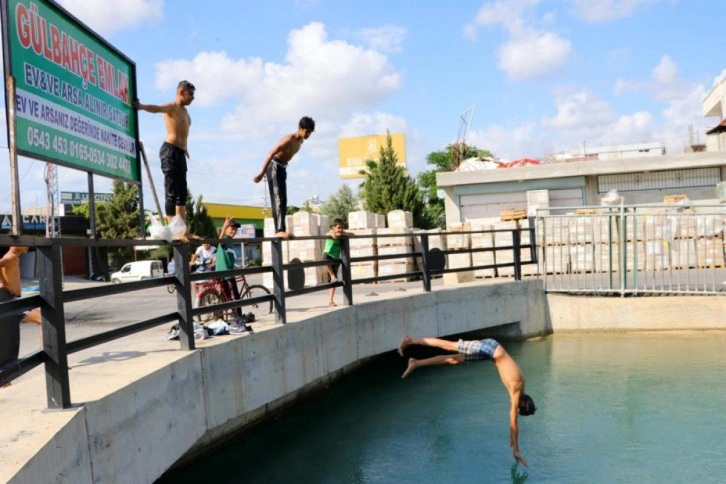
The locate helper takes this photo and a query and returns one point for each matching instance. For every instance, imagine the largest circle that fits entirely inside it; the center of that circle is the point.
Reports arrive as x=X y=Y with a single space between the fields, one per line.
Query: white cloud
x=109 y=16
x=629 y=128
x=604 y=10
x=363 y=124
x=387 y=38
x=533 y=55
x=577 y=110
x=528 y=53
x=323 y=78
x=506 y=12
x=509 y=143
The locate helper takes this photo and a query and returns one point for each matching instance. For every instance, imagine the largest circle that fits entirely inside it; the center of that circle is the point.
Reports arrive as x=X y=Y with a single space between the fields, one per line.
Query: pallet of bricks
x=437 y=241
x=510 y=220
x=365 y=243
x=458 y=239
x=305 y=224
x=397 y=239
x=593 y=242
x=482 y=237
x=693 y=236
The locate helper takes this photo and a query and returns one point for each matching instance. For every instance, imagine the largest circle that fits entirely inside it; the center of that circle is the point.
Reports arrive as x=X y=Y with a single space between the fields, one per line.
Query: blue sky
x=544 y=76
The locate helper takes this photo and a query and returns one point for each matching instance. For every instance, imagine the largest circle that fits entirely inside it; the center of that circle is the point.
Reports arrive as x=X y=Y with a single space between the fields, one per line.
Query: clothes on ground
x=477 y=350
x=277 y=183
x=174 y=167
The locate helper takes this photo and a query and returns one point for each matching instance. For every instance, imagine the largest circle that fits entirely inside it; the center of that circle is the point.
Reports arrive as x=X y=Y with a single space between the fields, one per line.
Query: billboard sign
x=73 y=91
x=353 y=152
x=79 y=198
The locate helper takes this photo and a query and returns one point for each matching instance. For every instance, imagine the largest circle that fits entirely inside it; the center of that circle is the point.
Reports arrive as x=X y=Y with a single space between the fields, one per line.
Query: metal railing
x=633 y=250
x=424 y=263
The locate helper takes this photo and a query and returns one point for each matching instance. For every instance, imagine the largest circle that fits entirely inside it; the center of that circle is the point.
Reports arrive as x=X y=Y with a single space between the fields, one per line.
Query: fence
x=424 y=262
x=634 y=250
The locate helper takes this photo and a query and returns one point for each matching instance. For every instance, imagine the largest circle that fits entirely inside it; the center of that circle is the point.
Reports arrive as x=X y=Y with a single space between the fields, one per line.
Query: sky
x=539 y=76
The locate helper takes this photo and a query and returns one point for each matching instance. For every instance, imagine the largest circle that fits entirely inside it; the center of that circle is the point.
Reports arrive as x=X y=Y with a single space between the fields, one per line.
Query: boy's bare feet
x=285 y=235
x=411 y=366
x=405 y=341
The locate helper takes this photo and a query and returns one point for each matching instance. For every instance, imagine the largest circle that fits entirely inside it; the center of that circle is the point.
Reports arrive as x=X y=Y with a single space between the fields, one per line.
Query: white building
x=714 y=105
x=617 y=152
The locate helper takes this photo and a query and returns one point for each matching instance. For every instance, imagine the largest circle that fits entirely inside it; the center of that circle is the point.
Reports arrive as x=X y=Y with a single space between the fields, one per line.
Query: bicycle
x=205 y=265
x=213 y=292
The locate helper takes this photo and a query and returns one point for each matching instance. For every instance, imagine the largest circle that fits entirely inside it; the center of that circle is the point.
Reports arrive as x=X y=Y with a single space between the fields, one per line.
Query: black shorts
x=334 y=266
x=174 y=167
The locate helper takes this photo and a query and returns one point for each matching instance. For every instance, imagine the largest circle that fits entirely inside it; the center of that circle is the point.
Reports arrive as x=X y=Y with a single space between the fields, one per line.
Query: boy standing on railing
x=332 y=252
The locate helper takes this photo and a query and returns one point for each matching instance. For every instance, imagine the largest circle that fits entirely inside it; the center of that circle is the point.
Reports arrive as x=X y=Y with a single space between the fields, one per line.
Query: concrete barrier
x=182 y=407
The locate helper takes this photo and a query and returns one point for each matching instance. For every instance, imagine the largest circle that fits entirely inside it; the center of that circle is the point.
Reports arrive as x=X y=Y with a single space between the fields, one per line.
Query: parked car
x=138 y=271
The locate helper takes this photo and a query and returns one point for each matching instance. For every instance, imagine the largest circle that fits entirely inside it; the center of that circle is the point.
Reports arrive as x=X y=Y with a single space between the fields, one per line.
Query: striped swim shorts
x=477 y=350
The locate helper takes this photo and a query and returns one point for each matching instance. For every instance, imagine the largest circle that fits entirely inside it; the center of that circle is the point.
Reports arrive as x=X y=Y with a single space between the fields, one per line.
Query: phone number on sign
x=42 y=139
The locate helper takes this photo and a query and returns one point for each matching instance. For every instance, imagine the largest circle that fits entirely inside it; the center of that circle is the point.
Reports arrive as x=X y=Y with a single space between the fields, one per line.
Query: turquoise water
x=611 y=408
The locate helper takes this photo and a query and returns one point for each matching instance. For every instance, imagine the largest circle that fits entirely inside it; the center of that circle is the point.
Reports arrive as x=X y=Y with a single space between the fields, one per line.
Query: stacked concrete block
x=436 y=239
x=459 y=238
x=307 y=224
x=537 y=201
x=505 y=239
x=362 y=220
x=582 y=258
x=710 y=252
x=657 y=255
x=400 y=219
x=363 y=244
x=380 y=221
x=399 y=242
x=483 y=238
x=683 y=254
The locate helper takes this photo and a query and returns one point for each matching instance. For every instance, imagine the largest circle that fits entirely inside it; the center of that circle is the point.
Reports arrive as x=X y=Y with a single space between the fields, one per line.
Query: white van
x=138 y=271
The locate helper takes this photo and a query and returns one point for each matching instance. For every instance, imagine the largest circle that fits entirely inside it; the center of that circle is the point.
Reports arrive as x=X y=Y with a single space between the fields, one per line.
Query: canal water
x=610 y=408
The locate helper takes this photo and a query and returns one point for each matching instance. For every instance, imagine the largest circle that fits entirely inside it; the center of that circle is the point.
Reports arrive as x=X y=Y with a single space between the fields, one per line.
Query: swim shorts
x=477 y=350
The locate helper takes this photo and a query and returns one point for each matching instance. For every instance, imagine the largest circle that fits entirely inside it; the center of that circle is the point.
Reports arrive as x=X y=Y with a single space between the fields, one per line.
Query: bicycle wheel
x=209 y=298
x=259 y=309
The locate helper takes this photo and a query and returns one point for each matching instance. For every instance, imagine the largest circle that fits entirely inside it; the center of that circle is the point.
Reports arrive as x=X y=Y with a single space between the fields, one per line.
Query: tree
x=119 y=219
x=340 y=204
x=442 y=161
x=198 y=220
x=387 y=187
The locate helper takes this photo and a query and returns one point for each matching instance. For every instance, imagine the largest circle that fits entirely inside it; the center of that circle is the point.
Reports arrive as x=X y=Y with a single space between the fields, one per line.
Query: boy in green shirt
x=332 y=252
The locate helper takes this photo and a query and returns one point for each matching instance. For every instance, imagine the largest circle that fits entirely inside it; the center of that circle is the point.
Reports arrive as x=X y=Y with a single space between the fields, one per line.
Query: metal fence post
x=345 y=269
x=50 y=277
x=278 y=281
x=183 y=295
x=425 y=262
x=517 y=238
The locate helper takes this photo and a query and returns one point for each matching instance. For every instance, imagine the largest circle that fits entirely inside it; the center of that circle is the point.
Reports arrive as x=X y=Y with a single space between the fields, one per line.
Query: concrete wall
x=652 y=313
x=138 y=432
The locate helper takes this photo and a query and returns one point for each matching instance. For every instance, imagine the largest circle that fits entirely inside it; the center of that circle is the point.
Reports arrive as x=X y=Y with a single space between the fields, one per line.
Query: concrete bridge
x=147 y=404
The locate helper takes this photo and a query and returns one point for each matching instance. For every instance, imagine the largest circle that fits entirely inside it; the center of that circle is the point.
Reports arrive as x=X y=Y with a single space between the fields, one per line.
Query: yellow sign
x=353 y=152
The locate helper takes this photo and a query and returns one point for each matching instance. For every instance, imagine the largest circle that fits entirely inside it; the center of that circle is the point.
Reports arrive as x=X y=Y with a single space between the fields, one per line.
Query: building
x=617 y=152
x=714 y=104
x=485 y=193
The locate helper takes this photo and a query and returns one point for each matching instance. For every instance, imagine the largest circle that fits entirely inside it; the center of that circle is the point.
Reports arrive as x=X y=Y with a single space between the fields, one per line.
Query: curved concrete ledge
x=174 y=403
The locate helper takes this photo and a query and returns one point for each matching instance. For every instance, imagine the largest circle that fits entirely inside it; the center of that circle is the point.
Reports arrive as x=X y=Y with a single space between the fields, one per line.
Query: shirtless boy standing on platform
x=469 y=351
x=173 y=152
x=275 y=167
